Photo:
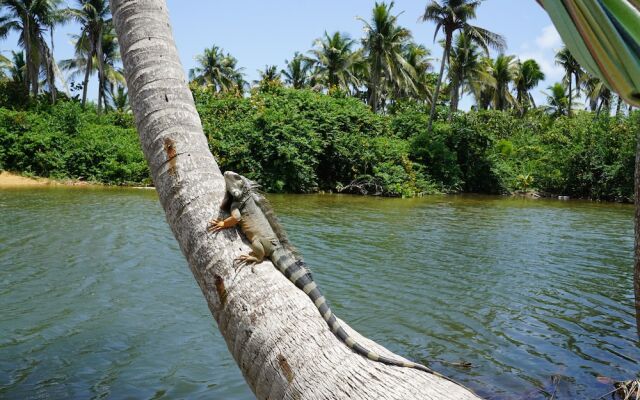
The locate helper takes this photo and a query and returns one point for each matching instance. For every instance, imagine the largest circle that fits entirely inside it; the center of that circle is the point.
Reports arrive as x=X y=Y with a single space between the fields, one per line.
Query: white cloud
x=547 y=43
x=543 y=49
x=549 y=39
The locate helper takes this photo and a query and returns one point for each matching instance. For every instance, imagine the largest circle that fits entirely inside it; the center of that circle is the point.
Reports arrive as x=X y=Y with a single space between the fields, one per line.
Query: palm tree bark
x=87 y=73
x=101 y=77
x=619 y=106
x=456 y=85
x=445 y=58
x=31 y=70
x=276 y=335
x=570 y=97
x=374 y=86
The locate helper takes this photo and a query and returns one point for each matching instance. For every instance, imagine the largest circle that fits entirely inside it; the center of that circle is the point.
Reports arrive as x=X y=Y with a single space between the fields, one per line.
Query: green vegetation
x=293 y=140
x=364 y=116
x=63 y=141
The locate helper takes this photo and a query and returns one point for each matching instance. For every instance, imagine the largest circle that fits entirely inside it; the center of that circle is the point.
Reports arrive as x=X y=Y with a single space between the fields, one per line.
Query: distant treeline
x=303 y=141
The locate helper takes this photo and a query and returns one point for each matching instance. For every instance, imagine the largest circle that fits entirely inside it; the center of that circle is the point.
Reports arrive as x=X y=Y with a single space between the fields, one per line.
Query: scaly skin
x=245 y=211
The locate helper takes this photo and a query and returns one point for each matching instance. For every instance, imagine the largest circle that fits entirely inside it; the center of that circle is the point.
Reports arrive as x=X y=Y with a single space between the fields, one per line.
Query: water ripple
x=98 y=302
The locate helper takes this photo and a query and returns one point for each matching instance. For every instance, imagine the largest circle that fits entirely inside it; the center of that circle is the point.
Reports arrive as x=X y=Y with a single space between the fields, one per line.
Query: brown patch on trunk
x=220 y=289
x=255 y=315
x=170 y=150
x=285 y=367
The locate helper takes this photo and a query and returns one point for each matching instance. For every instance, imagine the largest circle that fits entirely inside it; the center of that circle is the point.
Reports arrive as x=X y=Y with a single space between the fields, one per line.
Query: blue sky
x=268 y=32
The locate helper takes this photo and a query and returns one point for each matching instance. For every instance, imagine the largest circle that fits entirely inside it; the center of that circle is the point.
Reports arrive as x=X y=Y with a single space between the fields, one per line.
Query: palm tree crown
x=418 y=57
x=528 y=75
x=32 y=20
x=94 y=18
x=335 y=62
x=384 y=45
x=503 y=69
x=451 y=16
x=297 y=73
x=572 y=70
x=218 y=70
x=467 y=69
x=557 y=101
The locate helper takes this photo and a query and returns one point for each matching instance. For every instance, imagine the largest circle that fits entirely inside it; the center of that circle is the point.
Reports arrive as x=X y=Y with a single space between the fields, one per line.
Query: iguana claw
x=215 y=225
x=248 y=259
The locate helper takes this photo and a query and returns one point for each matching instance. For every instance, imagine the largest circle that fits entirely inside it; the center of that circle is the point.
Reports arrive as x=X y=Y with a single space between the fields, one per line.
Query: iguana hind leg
x=255 y=256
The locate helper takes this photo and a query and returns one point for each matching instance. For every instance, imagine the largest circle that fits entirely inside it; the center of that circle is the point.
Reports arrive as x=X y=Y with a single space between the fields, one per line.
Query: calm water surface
x=96 y=299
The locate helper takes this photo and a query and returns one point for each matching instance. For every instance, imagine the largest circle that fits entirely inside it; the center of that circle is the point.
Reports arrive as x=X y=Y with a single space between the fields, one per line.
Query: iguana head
x=238 y=186
x=235 y=184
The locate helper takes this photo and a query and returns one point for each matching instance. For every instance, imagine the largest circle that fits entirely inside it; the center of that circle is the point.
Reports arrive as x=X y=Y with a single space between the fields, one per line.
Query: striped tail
x=296 y=272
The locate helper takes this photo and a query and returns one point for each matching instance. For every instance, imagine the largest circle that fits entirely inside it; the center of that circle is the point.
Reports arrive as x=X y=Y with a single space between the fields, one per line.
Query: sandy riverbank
x=11 y=180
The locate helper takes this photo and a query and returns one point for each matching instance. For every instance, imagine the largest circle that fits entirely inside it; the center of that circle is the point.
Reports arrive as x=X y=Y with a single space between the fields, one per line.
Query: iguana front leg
x=218 y=224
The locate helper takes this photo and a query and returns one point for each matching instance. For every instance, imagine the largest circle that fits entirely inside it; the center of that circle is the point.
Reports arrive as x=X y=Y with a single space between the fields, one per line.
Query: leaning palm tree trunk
x=276 y=335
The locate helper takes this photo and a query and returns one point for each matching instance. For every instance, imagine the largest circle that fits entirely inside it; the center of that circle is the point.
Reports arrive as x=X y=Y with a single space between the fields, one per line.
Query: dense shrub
x=63 y=141
x=304 y=141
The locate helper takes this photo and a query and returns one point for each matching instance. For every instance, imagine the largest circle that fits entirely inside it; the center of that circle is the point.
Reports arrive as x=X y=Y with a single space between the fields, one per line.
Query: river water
x=96 y=300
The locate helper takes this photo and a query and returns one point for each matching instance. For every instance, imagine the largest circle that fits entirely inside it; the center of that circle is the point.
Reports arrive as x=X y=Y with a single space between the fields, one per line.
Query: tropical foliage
x=33 y=20
x=219 y=70
x=95 y=21
x=528 y=75
x=294 y=140
x=451 y=16
x=388 y=71
x=336 y=64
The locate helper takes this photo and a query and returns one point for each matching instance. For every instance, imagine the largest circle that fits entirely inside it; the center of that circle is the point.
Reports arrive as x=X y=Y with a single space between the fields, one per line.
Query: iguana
x=250 y=209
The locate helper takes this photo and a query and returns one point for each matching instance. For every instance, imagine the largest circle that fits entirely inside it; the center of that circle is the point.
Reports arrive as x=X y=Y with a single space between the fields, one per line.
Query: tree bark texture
x=436 y=93
x=276 y=335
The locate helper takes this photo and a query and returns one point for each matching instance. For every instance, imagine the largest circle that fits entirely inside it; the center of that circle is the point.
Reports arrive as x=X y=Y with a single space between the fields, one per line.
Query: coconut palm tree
x=117 y=97
x=384 y=45
x=111 y=75
x=451 y=16
x=94 y=17
x=418 y=57
x=32 y=20
x=335 y=62
x=256 y=308
x=572 y=71
x=82 y=63
x=504 y=71
x=468 y=71
x=17 y=67
x=297 y=73
x=528 y=76
x=5 y=66
x=269 y=74
x=218 y=70
x=269 y=77
x=557 y=100
x=598 y=94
